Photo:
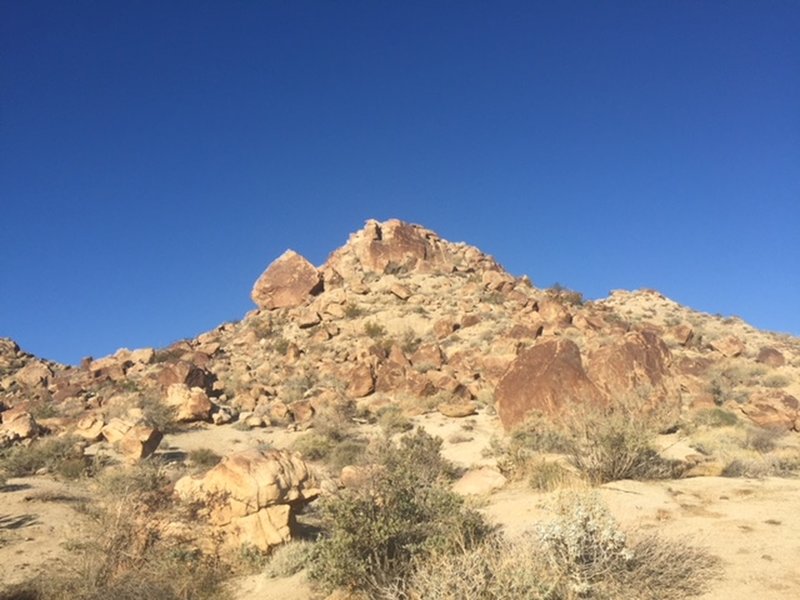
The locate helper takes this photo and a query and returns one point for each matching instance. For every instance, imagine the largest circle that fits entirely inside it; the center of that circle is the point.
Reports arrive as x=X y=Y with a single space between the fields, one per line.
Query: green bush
x=406 y=510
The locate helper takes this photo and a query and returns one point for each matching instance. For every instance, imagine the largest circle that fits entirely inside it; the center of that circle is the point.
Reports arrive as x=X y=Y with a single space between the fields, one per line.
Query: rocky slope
x=399 y=315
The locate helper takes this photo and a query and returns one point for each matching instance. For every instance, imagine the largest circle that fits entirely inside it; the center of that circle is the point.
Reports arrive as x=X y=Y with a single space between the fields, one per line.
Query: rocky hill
x=397 y=320
x=399 y=315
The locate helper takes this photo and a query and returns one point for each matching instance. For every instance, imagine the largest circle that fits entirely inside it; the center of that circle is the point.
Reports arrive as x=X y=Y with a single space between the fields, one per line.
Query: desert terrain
x=222 y=466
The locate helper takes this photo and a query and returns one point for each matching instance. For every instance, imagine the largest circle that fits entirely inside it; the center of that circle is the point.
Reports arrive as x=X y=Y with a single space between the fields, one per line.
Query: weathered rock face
x=544 y=378
x=361 y=381
x=639 y=361
x=773 y=410
x=17 y=424
x=34 y=374
x=729 y=347
x=186 y=373
x=191 y=404
x=139 y=442
x=250 y=495
x=770 y=357
x=286 y=283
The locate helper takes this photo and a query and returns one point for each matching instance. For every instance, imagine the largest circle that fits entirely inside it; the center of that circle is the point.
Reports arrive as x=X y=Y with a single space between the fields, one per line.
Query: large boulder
x=286 y=283
x=34 y=374
x=773 y=409
x=186 y=373
x=545 y=378
x=770 y=357
x=729 y=347
x=190 y=404
x=17 y=424
x=251 y=495
x=139 y=442
x=638 y=361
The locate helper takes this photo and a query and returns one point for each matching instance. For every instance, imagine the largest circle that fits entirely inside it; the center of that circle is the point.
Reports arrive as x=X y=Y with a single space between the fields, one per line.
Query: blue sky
x=155 y=157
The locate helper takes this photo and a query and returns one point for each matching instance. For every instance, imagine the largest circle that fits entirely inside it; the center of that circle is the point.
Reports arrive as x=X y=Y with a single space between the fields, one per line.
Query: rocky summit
x=398 y=327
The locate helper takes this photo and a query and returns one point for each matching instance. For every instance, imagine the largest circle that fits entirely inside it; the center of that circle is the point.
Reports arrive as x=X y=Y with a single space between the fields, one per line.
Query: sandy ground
x=37 y=517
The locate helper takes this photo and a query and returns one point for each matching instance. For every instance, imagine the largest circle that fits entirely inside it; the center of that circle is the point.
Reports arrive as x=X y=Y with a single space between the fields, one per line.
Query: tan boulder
x=18 y=424
x=443 y=328
x=361 y=381
x=400 y=291
x=307 y=319
x=139 y=442
x=34 y=374
x=302 y=412
x=90 y=428
x=457 y=409
x=554 y=314
x=190 y=404
x=729 y=347
x=774 y=409
x=142 y=356
x=286 y=283
x=428 y=355
x=481 y=481
x=115 y=430
x=250 y=495
x=770 y=357
x=547 y=378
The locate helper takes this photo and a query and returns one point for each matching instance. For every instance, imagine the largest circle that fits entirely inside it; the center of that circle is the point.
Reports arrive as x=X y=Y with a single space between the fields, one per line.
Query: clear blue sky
x=156 y=156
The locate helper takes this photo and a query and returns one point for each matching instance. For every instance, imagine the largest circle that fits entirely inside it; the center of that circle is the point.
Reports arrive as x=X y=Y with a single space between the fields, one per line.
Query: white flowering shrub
x=585 y=545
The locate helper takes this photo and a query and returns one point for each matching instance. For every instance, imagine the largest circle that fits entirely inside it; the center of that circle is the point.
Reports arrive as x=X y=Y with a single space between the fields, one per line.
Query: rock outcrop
x=545 y=378
x=251 y=495
x=397 y=247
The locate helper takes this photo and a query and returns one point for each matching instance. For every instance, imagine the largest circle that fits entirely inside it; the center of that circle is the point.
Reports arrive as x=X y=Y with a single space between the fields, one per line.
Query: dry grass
x=126 y=555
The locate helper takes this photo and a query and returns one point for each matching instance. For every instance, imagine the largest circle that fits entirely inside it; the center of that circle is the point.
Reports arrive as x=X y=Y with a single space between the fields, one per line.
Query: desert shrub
x=617 y=443
x=759 y=467
x=776 y=381
x=125 y=556
x=158 y=414
x=374 y=330
x=565 y=295
x=375 y=531
x=581 y=554
x=546 y=476
x=392 y=420
x=716 y=417
x=288 y=559
x=59 y=455
x=603 y=444
x=493 y=570
x=588 y=555
x=763 y=440
x=204 y=458
x=334 y=441
x=520 y=452
x=351 y=311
